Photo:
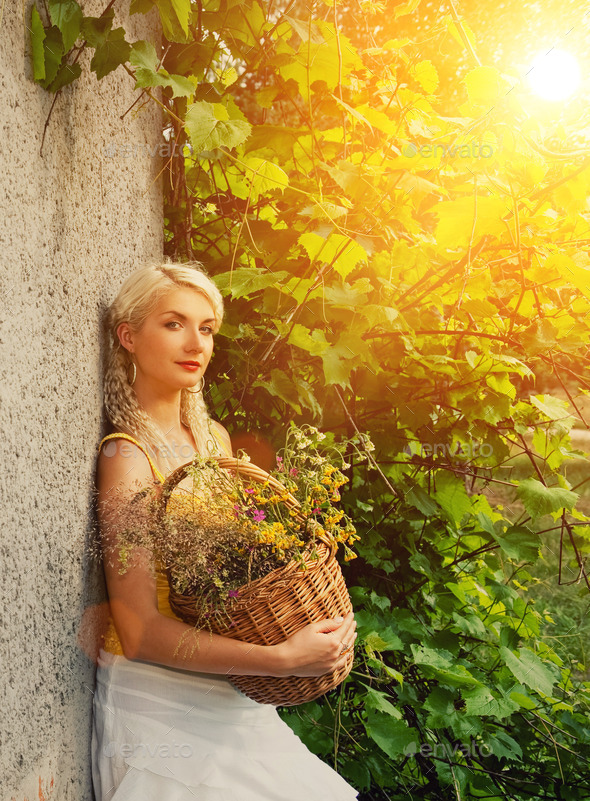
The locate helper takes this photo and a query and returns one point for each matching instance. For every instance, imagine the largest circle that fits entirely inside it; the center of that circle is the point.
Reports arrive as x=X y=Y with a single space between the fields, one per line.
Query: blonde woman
x=168 y=725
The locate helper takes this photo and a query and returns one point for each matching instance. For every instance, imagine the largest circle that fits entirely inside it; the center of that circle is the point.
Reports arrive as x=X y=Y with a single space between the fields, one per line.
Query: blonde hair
x=137 y=299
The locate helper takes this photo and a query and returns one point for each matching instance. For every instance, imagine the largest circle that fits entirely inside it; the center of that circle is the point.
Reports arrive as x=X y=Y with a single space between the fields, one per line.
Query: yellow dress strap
x=220 y=439
x=161 y=478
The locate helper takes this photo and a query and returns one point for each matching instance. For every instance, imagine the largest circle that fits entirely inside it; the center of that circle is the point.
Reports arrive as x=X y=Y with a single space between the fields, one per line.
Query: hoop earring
x=200 y=389
x=131 y=381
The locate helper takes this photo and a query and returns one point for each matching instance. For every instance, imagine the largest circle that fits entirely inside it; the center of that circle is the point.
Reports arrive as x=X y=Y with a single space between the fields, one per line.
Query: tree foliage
x=411 y=268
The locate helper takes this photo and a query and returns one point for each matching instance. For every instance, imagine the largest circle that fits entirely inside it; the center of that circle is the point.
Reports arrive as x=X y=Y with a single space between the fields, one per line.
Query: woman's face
x=173 y=347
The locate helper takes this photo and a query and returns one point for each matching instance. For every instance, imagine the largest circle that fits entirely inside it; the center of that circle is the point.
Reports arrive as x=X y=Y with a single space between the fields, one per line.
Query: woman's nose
x=195 y=341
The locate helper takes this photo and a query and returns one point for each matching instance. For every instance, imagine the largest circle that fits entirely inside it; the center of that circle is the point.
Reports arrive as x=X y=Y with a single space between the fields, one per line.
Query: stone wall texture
x=76 y=220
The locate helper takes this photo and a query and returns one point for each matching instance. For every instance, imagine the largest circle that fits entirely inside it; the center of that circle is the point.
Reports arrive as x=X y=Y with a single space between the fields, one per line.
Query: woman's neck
x=164 y=410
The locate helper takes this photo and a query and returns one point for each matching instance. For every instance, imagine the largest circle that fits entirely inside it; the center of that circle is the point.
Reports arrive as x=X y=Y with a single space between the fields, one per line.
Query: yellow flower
x=348 y=554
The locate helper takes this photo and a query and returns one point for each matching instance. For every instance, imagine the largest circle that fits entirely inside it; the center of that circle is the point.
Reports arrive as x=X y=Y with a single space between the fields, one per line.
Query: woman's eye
x=207 y=329
x=172 y=323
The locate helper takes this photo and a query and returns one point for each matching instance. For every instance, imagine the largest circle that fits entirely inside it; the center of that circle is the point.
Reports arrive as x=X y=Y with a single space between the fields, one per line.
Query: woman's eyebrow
x=183 y=316
x=175 y=313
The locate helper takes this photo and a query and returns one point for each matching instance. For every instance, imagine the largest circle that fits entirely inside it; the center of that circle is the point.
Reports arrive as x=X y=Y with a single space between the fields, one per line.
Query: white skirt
x=161 y=734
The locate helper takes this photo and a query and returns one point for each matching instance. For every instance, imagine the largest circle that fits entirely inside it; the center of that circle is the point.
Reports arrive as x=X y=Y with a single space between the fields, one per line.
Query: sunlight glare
x=554 y=75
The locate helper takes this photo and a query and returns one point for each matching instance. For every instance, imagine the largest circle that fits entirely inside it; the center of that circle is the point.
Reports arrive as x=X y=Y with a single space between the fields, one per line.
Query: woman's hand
x=317 y=649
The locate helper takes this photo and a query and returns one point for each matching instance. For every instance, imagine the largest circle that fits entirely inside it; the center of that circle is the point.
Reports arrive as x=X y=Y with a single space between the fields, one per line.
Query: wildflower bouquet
x=251 y=554
x=228 y=530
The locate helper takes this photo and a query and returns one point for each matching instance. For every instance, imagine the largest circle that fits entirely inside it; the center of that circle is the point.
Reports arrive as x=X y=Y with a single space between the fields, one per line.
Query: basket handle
x=245 y=468
x=228 y=463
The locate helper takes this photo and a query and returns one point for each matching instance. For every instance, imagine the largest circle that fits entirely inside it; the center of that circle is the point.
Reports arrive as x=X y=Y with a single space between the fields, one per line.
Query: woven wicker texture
x=272 y=608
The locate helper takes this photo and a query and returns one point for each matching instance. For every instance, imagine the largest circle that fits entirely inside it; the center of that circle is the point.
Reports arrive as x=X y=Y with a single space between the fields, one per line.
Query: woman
x=168 y=725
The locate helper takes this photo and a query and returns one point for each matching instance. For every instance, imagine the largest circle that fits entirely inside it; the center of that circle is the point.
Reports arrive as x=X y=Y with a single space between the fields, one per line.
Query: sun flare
x=554 y=75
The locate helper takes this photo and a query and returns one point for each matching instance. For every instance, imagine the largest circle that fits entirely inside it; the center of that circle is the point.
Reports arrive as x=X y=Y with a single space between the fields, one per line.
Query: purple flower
x=258 y=515
x=233 y=594
x=250 y=490
x=280 y=463
x=293 y=471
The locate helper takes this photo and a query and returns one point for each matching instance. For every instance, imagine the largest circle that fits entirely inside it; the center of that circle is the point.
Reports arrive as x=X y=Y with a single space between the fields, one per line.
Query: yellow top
x=111 y=642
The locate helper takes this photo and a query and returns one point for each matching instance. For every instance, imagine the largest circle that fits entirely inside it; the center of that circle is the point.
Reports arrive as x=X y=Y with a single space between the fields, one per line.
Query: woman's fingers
x=320 y=647
x=334 y=624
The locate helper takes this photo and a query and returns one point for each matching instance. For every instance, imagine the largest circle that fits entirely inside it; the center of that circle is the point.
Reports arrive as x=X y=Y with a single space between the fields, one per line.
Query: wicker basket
x=273 y=607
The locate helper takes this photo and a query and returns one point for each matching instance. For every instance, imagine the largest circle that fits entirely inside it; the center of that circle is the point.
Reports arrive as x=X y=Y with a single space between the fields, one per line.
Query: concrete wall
x=74 y=222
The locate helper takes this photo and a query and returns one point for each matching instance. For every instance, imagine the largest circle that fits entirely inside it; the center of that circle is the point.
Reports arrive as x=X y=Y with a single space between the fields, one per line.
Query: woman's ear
x=125 y=335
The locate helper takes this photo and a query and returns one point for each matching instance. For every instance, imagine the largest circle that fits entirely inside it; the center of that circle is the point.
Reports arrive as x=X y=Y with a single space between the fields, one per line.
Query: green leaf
x=67 y=15
x=373 y=641
x=114 y=52
x=422 y=501
x=539 y=337
x=540 y=500
x=425 y=73
x=209 y=127
x=182 y=9
x=528 y=669
x=313 y=342
x=519 y=543
x=110 y=47
x=553 y=408
x=96 y=29
x=452 y=496
x=181 y=86
x=174 y=15
x=303 y=29
x=443 y=667
x=392 y=736
x=524 y=701
x=282 y=387
x=502 y=385
x=379 y=702
x=480 y=701
x=346 y=296
x=328 y=61
x=441 y=701
x=37 y=38
x=246 y=280
x=339 y=251
x=265 y=176
x=145 y=60
x=336 y=368
x=65 y=75
x=342 y=357
x=470 y=624
x=53 y=47
x=502 y=745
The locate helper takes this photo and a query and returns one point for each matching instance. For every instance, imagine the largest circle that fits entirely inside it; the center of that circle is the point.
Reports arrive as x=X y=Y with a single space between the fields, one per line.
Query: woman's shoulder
x=125 y=462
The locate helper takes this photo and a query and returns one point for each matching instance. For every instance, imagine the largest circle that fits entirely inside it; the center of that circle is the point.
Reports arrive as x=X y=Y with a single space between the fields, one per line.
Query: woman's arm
x=147 y=635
